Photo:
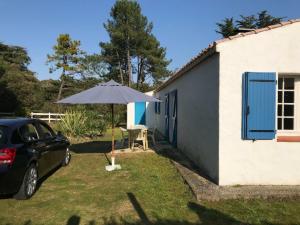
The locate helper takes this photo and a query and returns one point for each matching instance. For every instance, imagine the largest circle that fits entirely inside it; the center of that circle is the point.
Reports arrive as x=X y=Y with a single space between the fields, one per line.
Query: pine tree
x=229 y=27
x=66 y=57
x=133 y=49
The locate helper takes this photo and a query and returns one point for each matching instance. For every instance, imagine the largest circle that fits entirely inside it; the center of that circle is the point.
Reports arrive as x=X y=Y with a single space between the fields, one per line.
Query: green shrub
x=95 y=124
x=73 y=123
x=81 y=123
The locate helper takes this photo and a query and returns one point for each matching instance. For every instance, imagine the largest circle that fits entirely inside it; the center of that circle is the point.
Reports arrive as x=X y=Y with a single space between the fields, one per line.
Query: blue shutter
x=259 y=106
x=140 y=113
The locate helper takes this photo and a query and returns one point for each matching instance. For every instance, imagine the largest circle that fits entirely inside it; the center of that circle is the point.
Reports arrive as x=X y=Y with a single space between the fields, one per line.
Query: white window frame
x=296 y=103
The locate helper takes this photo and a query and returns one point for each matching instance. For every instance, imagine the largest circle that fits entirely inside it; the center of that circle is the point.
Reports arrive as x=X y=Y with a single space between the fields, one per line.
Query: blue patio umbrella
x=109 y=93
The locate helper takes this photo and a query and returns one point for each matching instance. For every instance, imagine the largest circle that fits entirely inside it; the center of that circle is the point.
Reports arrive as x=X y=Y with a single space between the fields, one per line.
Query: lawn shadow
x=73 y=220
x=91 y=147
x=207 y=216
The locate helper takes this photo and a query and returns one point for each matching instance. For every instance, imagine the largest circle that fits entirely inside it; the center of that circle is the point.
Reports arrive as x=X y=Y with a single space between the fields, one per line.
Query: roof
x=14 y=121
x=211 y=49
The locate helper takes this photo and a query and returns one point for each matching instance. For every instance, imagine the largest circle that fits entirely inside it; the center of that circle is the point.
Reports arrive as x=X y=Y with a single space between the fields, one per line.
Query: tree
x=248 y=22
x=93 y=66
x=66 y=57
x=132 y=49
x=19 y=88
x=229 y=27
x=264 y=19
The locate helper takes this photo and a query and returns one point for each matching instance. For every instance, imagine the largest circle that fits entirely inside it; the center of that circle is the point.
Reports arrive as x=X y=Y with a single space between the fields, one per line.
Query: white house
x=235 y=108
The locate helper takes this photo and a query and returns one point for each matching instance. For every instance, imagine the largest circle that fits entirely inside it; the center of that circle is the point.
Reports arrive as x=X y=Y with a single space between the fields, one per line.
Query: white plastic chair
x=151 y=134
x=123 y=132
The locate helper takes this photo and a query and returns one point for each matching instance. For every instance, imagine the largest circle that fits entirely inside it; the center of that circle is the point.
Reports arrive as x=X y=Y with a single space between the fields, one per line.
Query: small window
x=3 y=131
x=286 y=103
x=28 y=132
x=46 y=132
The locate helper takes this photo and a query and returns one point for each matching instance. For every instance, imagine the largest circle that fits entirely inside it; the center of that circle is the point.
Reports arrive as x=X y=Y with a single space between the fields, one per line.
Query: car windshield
x=3 y=134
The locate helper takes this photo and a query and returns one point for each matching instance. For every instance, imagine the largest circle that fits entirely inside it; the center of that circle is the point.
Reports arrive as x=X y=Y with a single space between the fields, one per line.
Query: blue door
x=140 y=113
x=167 y=116
x=173 y=118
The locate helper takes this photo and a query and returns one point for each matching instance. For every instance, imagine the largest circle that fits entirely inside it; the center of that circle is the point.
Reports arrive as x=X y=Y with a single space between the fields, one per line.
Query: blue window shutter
x=259 y=106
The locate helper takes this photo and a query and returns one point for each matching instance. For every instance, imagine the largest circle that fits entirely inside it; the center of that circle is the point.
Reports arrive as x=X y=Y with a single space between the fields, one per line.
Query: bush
x=77 y=123
x=95 y=124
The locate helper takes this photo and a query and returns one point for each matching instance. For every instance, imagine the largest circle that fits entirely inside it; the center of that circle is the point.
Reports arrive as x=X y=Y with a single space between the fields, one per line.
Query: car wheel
x=67 y=158
x=29 y=183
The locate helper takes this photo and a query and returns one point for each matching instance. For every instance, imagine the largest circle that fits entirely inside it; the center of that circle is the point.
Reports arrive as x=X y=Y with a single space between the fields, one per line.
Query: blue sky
x=184 y=27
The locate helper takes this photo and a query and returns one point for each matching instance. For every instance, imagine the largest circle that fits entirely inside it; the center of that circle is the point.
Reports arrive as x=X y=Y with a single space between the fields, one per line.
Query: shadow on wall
x=206 y=216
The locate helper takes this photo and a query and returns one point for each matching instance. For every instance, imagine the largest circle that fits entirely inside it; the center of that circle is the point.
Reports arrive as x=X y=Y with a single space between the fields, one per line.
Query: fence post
x=49 y=117
x=31 y=115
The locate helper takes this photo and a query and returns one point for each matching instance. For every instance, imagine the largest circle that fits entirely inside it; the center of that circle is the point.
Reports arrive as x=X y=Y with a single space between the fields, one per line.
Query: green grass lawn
x=148 y=190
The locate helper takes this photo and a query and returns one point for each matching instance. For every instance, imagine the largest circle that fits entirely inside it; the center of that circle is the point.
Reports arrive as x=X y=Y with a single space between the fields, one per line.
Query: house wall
x=150 y=117
x=197 y=115
x=260 y=162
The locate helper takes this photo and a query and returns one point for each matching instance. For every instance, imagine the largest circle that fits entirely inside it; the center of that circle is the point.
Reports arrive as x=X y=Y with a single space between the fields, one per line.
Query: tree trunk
x=120 y=69
x=129 y=67
x=62 y=83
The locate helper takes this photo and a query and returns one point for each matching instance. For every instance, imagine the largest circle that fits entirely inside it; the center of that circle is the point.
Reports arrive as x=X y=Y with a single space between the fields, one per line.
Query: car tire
x=29 y=183
x=67 y=158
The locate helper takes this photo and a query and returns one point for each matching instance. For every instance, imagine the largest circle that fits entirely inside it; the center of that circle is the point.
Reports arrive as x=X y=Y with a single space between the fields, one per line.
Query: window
x=15 y=138
x=28 y=132
x=2 y=135
x=46 y=132
x=286 y=103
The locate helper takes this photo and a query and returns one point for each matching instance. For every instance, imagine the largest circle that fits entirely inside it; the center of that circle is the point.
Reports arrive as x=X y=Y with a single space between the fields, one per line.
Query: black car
x=29 y=150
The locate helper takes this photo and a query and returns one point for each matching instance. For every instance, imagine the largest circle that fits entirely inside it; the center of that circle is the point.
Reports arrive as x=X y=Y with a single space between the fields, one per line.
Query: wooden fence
x=49 y=117
x=6 y=114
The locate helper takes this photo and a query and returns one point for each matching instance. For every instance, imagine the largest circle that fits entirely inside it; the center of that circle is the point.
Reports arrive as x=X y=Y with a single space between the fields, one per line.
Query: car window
x=46 y=132
x=15 y=137
x=3 y=131
x=28 y=132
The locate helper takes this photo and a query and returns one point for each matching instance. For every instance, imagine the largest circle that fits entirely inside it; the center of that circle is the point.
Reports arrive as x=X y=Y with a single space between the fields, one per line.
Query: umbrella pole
x=112 y=136
x=113 y=166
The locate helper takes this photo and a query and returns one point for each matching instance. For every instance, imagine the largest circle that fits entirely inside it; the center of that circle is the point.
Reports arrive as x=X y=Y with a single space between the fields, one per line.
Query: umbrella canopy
x=108 y=93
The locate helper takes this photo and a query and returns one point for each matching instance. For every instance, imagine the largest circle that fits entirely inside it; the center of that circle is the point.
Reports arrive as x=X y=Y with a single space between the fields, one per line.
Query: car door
x=30 y=136
x=56 y=147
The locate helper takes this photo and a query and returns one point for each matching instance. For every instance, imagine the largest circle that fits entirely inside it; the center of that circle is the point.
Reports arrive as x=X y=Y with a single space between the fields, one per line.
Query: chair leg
x=147 y=144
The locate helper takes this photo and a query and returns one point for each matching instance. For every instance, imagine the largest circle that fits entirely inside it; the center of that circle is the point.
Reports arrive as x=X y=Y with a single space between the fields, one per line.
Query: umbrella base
x=113 y=167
